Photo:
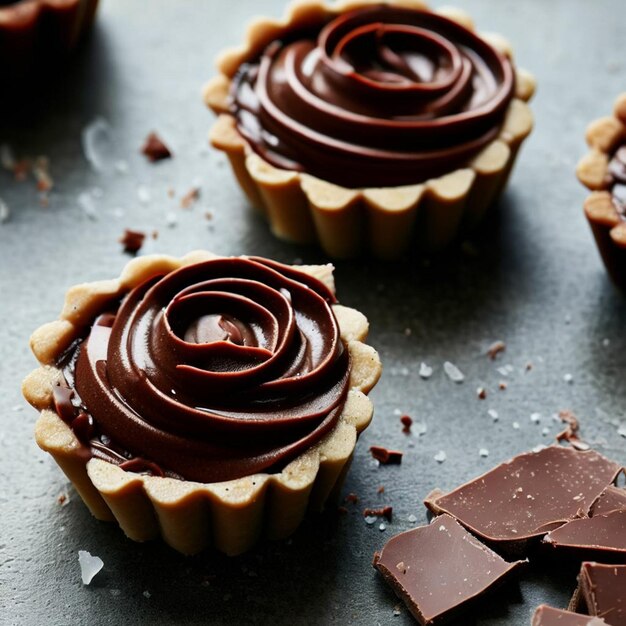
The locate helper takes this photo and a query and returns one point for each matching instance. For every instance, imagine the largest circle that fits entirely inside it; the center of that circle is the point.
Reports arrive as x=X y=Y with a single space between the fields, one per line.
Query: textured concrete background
x=536 y=283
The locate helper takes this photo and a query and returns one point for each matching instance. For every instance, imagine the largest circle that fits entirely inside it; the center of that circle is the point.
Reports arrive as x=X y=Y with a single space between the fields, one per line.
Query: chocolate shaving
x=495 y=348
x=572 y=428
x=190 y=197
x=155 y=149
x=386 y=456
x=384 y=511
x=132 y=240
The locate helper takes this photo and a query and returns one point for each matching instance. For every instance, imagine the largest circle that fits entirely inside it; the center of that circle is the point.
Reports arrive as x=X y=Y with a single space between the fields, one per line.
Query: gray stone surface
x=536 y=283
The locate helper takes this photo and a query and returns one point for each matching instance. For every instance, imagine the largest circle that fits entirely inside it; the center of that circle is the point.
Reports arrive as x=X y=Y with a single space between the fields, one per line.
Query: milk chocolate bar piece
x=529 y=495
x=547 y=616
x=602 y=592
x=611 y=499
x=439 y=570
x=602 y=537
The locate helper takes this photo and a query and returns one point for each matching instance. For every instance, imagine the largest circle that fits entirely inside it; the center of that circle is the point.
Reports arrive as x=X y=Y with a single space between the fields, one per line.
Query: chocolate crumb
x=407 y=422
x=529 y=366
x=352 y=498
x=190 y=197
x=386 y=456
x=155 y=149
x=132 y=240
x=495 y=348
x=481 y=392
x=384 y=511
x=381 y=489
x=502 y=385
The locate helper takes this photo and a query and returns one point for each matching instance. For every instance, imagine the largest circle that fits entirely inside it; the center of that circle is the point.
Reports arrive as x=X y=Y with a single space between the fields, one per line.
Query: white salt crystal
x=412 y=519
x=382 y=526
x=483 y=452
x=370 y=519
x=87 y=204
x=171 y=219
x=440 y=457
x=453 y=372
x=146 y=594
x=535 y=418
x=545 y=431
x=621 y=430
x=418 y=428
x=493 y=414
x=97 y=143
x=143 y=194
x=5 y=212
x=516 y=425
x=568 y=378
x=89 y=566
x=425 y=371
x=606 y=342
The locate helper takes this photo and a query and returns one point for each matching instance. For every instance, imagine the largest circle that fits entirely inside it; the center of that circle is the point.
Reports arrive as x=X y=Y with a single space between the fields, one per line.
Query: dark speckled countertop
x=535 y=281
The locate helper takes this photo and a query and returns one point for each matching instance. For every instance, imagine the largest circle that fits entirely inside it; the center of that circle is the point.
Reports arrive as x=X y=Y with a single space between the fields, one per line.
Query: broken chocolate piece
x=602 y=537
x=155 y=149
x=611 y=499
x=547 y=616
x=439 y=569
x=132 y=240
x=529 y=495
x=385 y=456
x=601 y=592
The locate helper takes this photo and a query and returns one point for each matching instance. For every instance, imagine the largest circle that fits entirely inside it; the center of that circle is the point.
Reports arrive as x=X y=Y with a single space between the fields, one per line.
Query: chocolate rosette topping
x=215 y=371
x=381 y=96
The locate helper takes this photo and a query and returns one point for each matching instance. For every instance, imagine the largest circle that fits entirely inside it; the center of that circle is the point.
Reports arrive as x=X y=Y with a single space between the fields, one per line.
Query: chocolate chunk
x=601 y=592
x=132 y=240
x=406 y=422
x=529 y=495
x=611 y=499
x=440 y=569
x=155 y=149
x=602 y=537
x=547 y=616
x=385 y=456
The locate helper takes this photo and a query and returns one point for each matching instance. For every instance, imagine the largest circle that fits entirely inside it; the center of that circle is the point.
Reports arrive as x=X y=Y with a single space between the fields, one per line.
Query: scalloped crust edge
x=385 y=221
x=229 y=516
x=603 y=136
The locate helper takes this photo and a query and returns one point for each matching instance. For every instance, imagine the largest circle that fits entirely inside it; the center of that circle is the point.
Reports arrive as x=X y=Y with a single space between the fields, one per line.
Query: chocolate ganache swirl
x=213 y=372
x=381 y=96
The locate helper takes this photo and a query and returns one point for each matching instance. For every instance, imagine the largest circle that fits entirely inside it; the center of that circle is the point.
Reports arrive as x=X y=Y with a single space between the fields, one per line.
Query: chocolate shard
x=529 y=495
x=439 y=570
x=611 y=499
x=547 y=616
x=601 y=592
x=602 y=537
x=154 y=148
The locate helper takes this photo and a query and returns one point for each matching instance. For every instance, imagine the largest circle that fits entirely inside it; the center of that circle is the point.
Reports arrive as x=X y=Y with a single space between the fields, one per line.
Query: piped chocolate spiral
x=381 y=96
x=216 y=371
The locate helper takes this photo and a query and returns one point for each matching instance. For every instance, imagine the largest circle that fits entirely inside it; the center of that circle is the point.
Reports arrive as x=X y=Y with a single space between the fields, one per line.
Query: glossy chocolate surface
x=439 y=569
x=599 y=537
x=381 y=96
x=216 y=371
x=617 y=180
x=549 y=616
x=530 y=495
x=611 y=499
x=602 y=592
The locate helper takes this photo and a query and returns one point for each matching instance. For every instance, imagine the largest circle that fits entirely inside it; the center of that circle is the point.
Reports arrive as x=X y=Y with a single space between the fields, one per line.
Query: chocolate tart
x=603 y=171
x=207 y=400
x=370 y=126
x=37 y=34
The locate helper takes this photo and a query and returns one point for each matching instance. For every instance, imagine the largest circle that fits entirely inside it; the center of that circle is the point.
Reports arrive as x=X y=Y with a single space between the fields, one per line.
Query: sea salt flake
x=453 y=372
x=370 y=519
x=568 y=378
x=412 y=519
x=621 y=430
x=382 y=526
x=493 y=414
x=545 y=431
x=425 y=371
x=419 y=428
x=89 y=566
x=86 y=203
x=516 y=425
x=483 y=452
x=171 y=219
x=146 y=594
x=535 y=418
x=97 y=144
x=143 y=194
x=440 y=457
x=5 y=212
